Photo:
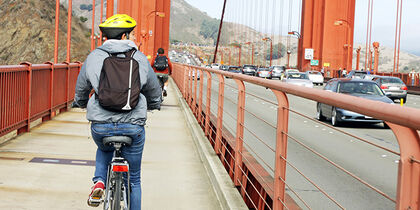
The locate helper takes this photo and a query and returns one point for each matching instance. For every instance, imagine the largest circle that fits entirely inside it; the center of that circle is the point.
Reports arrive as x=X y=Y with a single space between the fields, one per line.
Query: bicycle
x=117 y=194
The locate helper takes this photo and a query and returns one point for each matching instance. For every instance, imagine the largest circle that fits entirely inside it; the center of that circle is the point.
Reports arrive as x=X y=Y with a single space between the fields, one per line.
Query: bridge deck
x=51 y=167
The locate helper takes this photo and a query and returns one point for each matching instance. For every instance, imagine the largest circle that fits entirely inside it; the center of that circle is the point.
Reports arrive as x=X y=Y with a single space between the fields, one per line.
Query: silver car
x=277 y=71
x=393 y=87
x=298 y=78
x=264 y=73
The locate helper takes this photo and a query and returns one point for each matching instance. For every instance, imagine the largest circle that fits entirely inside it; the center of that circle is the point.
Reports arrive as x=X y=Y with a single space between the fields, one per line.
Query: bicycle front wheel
x=116 y=196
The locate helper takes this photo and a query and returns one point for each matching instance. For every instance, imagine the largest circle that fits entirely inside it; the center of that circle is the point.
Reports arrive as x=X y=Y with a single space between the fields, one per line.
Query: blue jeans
x=133 y=154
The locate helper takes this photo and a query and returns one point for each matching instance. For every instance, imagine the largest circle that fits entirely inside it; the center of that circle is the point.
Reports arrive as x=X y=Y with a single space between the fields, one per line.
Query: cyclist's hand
x=74 y=105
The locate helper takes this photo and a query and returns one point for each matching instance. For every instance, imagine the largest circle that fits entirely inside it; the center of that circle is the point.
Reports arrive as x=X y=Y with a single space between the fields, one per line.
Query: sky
x=384 y=19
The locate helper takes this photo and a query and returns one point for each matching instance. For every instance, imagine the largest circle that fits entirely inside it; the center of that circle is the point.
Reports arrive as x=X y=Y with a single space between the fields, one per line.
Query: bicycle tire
x=116 y=196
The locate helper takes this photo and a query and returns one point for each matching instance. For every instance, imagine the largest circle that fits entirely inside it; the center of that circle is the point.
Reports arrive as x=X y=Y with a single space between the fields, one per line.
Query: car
x=249 y=69
x=287 y=71
x=316 y=77
x=356 y=87
x=298 y=78
x=214 y=66
x=224 y=67
x=356 y=74
x=264 y=73
x=234 y=69
x=393 y=87
x=277 y=71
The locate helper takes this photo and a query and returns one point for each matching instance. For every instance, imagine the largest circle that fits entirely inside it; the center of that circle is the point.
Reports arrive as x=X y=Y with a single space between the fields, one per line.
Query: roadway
x=376 y=166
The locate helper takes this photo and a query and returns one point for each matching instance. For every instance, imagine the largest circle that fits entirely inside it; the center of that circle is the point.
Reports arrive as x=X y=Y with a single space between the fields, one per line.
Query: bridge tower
x=327 y=28
x=152 y=16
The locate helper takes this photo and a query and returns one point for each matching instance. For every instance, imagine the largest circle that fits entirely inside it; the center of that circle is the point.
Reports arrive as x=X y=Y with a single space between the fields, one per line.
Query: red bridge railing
x=32 y=91
x=262 y=183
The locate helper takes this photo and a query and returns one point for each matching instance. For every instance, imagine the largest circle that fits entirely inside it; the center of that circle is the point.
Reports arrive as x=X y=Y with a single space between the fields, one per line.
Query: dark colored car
x=393 y=87
x=356 y=87
x=249 y=69
x=224 y=67
x=234 y=69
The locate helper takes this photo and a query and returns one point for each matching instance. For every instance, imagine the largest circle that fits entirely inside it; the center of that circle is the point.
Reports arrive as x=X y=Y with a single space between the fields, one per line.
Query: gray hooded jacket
x=150 y=96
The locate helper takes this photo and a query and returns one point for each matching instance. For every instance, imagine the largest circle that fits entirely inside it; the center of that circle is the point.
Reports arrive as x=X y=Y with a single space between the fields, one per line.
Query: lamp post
x=271 y=47
x=376 y=47
x=144 y=33
x=348 y=45
x=358 y=57
x=252 y=52
x=297 y=34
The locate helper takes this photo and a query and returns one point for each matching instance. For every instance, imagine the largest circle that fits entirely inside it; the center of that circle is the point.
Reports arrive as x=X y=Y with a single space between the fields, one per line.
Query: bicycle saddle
x=117 y=139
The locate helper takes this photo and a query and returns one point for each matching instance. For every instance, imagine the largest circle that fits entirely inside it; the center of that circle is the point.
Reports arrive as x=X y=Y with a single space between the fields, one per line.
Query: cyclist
x=163 y=67
x=118 y=30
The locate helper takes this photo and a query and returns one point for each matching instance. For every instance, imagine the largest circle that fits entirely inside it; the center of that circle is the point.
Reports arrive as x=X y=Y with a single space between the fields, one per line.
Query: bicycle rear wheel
x=116 y=196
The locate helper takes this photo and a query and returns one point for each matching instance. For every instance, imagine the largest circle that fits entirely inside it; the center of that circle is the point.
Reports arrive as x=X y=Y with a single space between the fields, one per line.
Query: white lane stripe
x=79 y=162
x=51 y=161
x=331 y=132
x=383 y=156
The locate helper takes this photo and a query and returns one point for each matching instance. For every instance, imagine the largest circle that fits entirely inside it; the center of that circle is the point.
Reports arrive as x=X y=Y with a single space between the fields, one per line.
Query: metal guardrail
x=253 y=177
x=32 y=91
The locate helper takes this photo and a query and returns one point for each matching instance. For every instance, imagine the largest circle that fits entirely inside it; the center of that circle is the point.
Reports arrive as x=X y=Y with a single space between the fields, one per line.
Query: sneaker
x=96 y=194
x=165 y=93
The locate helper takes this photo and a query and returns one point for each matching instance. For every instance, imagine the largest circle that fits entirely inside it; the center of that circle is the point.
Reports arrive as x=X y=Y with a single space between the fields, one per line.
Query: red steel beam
x=69 y=16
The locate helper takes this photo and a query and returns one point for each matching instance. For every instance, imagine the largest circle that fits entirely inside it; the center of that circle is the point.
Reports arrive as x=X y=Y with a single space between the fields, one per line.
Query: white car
x=316 y=77
x=214 y=66
x=288 y=71
x=298 y=78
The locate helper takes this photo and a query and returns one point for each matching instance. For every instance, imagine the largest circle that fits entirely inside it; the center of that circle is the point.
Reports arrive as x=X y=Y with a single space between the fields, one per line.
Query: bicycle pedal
x=95 y=201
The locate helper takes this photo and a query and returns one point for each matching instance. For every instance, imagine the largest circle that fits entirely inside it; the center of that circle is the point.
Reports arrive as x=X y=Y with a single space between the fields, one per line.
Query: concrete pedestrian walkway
x=51 y=167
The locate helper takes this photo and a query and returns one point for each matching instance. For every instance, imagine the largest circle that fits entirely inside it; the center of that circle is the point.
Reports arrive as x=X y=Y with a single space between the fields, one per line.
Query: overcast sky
x=384 y=20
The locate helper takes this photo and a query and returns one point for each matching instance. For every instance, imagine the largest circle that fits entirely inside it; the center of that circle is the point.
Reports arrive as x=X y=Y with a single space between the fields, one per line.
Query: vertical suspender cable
x=396 y=35
x=255 y=32
x=370 y=34
x=266 y=31
x=399 y=37
x=367 y=36
x=289 y=27
x=281 y=9
x=273 y=25
x=57 y=20
x=220 y=29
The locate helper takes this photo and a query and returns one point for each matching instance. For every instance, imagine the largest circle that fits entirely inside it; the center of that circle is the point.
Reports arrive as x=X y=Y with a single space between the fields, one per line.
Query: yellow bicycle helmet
x=117 y=25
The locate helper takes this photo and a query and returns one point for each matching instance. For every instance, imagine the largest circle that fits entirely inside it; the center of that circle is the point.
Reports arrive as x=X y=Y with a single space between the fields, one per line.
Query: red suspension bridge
x=260 y=142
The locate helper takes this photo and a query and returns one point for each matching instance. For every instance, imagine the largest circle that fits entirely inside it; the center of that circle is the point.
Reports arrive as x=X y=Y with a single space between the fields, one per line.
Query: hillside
x=28 y=33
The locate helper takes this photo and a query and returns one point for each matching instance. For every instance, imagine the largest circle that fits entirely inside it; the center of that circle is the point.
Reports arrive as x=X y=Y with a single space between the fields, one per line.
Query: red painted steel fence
x=30 y=92
x=262 y=182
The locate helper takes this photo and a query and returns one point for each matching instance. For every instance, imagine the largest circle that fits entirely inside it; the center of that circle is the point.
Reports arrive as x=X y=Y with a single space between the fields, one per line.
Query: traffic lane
x=327 y=140
x=292 y=132
x=373 y=132
x=413 y=101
